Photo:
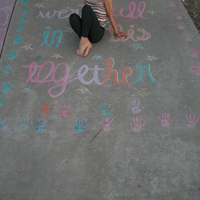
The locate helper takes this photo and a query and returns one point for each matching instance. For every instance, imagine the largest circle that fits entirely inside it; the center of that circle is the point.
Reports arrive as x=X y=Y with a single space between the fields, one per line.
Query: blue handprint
x=2 y=101
x=104 y=110
x=79 y=125
x=4 y=125
x=40 y=125
x=25 y=124
x=6 y=87
x=13 y=54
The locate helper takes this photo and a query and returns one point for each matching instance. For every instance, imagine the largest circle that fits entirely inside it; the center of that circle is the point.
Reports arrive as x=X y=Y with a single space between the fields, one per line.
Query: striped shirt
x=100 y=11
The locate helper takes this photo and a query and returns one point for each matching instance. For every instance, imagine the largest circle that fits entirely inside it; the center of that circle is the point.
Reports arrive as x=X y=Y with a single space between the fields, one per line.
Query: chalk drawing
x=56 y=56
x=145 y=35
x=79 y=125
x=6 y=70
x=172 y=4
x=25 y=123
x=164 y=120
x=137 y=124
x=46 y=110
x=25 y=11
x=104 y=109
x=132 y=7
x=13 y=54
x=5 y=125
x=194 y=52
x=180 y=25
x=68 y=29
x=27 y=47
x=2 y=101
x=141 y=93
x=20 y=27
x=141 y=76
x=17 y=40
x=191 y=121
x=63 y=112
x=96 y=57
x=107 y=124
x=151 y=12
x=41 y=125
x=27 y=90
x=25 y=2
x=39 y=5
x=46 y=35
x=137 y=46
x=195 y=69
x=151 y=58
x=179 y=16
x=135 y=107
x=188 y=37
x=23 y=19
x=84 y=90
x=6 y=87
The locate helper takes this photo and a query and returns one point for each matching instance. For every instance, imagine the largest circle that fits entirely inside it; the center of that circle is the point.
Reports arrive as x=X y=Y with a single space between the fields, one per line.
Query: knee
x=86 y=8
x=73 y=18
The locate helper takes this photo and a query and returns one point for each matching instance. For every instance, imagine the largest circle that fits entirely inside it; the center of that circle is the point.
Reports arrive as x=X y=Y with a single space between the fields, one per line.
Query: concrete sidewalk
x=122 y=123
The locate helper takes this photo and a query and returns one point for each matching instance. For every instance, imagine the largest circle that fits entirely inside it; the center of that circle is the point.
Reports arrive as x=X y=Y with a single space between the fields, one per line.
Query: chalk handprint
x=2 y=101
x=46 y=110
x=41 y=125
x=64 y=112
x=104 y=110
x=6 y=87
x=135 y=107
x=164 y=121
x=192 y=121
x=5 y=125
x=107 y=124
x=25 y=123
x=137 y=124
x=79 y=125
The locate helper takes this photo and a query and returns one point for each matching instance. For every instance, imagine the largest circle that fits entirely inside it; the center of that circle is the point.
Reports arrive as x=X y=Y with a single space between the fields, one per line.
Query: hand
x=121 y=34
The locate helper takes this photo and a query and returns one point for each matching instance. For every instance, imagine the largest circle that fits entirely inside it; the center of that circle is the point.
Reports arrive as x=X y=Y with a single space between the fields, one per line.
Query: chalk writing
x=135 y=107
x=180 y=25
x=195 y=70
x=84 y=90
x=79 y=125
x=61 y=14
x=41 y=125
x=27 y=90
x=46 y=110
x=13 y=54
x=164 y=120
x=105 y=110
x=17 y=40
x=25 y=123
x=27 y=47
x=63 y=112
x=56 y=56
x=132 y=7
x=191 y=121
x=145 y=35
x=6 y=70
x=2 y=100
x=188 y=37
x=6 y=87
x=137 y=124
x=39 y=5
x=194 y=52
x=107 y=124
x=46 y=35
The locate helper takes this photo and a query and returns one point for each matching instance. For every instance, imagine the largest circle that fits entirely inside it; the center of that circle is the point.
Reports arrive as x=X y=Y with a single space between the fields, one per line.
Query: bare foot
x=84 y=47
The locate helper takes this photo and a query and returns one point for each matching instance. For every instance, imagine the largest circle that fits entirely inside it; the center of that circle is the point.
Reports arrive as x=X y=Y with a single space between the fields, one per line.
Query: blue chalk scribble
x=6 y=87
x=104 y=110
x=79 y=125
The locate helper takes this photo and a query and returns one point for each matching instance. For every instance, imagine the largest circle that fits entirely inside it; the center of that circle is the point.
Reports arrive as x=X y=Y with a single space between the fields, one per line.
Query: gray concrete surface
x=120 y=124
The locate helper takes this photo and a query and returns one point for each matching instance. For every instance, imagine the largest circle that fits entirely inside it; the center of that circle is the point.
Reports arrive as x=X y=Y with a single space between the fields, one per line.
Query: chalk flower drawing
x=194 y=52
x=195 y=70
x=107 y=124
x=27 y=47
x=13 y=54
x=164 y=120
x=2 y=101
x=46 y=110
x=137 y=124
x=84 y=90
x=191 y=121
x=135 y=107
x=79 y=125
x=6 y=87
x=5 y=125
x=6 y=70
x=180 y=25
x=41 y=125
x=63 y=111
x=25 y=123
x=187 y=37
x=104 y=110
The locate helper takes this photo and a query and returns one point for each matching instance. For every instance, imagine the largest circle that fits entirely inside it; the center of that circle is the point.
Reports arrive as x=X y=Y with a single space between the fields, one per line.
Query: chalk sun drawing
x=164 y=120
x=79 y=125
x=137 y=124
x=104 y=109
x=107 y=124
x=63 y=111
x=192 y=122
x=135 y=107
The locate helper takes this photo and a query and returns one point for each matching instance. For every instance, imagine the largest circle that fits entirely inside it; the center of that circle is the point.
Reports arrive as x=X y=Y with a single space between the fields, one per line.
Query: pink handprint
x=135 y=107
x=107 y=124
x=137 y=124
x=192 y=121
x=64 y=112
x=164 y=120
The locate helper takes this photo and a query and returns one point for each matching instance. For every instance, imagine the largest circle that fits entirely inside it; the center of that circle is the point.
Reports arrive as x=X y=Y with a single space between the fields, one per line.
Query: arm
x=109 y=8
x=84 y=2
